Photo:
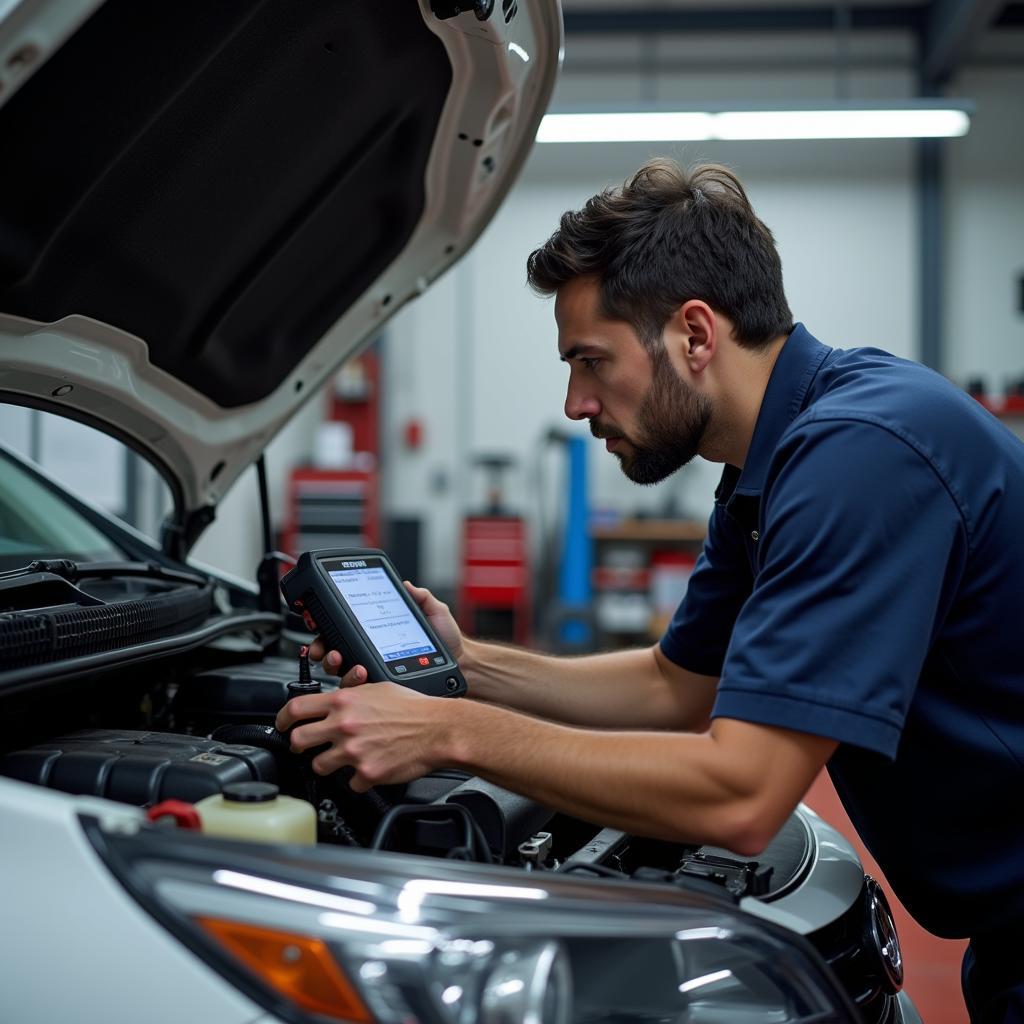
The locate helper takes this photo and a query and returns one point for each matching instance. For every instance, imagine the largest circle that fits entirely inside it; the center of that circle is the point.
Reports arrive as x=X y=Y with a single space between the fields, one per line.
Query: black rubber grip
x=328 y=631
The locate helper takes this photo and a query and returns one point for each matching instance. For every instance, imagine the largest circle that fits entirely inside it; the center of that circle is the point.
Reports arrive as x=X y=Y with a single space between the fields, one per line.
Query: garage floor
x=932 y=965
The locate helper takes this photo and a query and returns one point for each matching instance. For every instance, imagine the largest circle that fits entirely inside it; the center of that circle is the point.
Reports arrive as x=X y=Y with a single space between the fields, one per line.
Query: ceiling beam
x=950 y=31
x=633 y=20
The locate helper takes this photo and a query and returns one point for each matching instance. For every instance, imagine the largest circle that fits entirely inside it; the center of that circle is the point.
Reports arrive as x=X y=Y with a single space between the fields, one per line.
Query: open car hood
x=205 y=209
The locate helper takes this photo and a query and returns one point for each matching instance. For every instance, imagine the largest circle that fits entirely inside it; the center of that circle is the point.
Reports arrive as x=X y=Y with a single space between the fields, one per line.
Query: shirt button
x=754 y=534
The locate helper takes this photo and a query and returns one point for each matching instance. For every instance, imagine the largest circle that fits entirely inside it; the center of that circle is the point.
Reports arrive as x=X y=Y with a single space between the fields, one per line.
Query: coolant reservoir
x=256 y=810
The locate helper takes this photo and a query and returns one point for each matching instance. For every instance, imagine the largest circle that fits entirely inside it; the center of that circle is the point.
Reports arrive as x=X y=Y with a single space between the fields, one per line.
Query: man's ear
x=695 y=332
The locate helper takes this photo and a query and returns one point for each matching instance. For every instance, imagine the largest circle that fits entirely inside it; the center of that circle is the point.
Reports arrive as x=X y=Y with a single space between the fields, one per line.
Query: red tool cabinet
x=495 y=573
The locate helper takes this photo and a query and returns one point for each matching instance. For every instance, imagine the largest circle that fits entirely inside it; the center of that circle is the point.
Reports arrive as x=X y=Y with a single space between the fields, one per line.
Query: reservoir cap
x=250 y=792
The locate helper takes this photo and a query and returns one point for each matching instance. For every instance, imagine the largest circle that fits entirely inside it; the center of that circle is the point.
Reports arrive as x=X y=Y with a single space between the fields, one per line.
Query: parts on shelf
x=642 y=569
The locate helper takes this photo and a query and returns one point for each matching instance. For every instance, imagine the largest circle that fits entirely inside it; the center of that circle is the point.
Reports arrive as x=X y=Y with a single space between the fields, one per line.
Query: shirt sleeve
x=698 y=635
x=861 y=549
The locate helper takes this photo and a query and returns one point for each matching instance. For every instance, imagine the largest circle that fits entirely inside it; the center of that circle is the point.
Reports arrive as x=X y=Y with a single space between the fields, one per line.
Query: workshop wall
x=845 y=228
x=844 y=215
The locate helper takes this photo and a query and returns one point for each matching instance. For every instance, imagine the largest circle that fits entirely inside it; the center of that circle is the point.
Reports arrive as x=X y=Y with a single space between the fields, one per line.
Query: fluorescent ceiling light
x=840 y=124
x=685 y=126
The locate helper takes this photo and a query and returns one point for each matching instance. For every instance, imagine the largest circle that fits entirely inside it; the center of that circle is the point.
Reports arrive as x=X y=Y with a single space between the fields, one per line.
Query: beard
x=671 y=424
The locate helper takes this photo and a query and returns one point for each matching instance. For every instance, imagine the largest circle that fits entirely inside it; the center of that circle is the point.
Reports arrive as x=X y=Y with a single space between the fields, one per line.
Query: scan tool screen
x=386 y=618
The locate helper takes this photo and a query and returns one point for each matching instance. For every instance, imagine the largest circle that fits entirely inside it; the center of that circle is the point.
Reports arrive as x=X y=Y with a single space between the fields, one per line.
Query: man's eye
x=589 y=362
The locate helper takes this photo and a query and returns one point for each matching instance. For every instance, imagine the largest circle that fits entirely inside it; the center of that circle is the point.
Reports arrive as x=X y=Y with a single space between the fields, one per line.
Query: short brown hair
x=666 y=236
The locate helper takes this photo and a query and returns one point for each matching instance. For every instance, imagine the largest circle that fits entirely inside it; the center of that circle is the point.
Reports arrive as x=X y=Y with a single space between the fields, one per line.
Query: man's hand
x=388 y=733
x=438 y=615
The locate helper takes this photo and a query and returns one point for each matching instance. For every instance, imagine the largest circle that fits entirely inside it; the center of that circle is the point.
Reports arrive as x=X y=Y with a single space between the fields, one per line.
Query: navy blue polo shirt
x=863 y=579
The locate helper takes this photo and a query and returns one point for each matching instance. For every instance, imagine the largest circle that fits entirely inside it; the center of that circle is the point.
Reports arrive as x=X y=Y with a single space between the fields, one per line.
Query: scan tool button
x=308 y=620
x=439 y=660
x=423 y=661
x=401 y=669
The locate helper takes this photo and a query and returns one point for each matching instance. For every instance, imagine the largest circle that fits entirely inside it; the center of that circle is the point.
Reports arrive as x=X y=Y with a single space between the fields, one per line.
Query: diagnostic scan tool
x=354 y=599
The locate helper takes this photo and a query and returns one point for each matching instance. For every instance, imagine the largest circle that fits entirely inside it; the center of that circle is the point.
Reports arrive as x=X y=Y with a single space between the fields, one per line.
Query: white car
x=205 y=210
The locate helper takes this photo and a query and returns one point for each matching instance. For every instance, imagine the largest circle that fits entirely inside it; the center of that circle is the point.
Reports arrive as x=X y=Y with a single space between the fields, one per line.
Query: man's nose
x=579 y=405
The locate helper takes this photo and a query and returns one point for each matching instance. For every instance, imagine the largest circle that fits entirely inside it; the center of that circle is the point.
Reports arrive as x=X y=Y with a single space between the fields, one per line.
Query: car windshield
x=36 y=522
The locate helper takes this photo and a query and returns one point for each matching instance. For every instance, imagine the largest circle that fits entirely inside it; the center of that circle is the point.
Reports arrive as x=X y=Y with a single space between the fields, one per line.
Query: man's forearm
x=618 y=689
x=733 y=786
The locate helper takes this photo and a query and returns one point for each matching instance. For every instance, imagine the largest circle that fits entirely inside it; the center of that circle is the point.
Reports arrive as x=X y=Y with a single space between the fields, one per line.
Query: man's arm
x=733 y=786
x=633 y=689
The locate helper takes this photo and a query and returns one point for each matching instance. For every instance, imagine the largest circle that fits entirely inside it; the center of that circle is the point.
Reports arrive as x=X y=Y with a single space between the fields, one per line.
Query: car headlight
x=357 y=935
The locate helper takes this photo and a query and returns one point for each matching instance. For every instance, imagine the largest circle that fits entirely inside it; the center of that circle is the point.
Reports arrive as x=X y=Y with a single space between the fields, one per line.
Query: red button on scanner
x=308 y=620
x=423 y=661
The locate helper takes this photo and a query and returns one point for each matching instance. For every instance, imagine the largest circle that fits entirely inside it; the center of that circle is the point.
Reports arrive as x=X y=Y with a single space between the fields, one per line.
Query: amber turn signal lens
x=298 y=967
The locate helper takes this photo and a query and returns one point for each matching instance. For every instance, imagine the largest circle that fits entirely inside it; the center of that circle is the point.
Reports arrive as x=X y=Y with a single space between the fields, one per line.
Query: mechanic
x=858 y=602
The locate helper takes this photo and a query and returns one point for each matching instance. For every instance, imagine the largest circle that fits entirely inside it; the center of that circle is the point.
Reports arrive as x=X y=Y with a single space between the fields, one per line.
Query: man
x=859 y=602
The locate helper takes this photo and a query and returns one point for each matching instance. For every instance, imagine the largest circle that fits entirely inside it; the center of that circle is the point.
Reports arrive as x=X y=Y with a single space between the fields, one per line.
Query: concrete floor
x=932 y=965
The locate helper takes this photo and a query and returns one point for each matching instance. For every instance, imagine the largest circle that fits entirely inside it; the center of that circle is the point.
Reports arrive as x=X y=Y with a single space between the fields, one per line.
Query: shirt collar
x=784 y=398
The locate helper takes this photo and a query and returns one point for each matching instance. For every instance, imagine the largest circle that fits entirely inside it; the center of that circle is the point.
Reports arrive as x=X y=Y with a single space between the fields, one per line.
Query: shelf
x=652 y=530
x=605 y=577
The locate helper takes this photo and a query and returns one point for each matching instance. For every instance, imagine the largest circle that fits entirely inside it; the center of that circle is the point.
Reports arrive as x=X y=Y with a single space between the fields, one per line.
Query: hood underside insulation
x=221 y=179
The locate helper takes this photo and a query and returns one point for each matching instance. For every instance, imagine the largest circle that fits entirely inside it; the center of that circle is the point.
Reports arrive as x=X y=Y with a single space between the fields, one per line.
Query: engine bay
x=196 y=730
x=185 y=727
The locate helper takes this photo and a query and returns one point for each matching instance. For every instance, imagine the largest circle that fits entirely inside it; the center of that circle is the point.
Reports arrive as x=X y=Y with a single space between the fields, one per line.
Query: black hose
x=371 y=796
x=265 y=736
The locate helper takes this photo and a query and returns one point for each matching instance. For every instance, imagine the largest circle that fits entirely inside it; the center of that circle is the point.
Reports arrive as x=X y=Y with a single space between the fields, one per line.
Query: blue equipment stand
x=574 y=594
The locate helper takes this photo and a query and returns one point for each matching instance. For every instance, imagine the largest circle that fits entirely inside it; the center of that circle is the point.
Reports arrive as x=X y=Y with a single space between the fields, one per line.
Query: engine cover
x=138 y=767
